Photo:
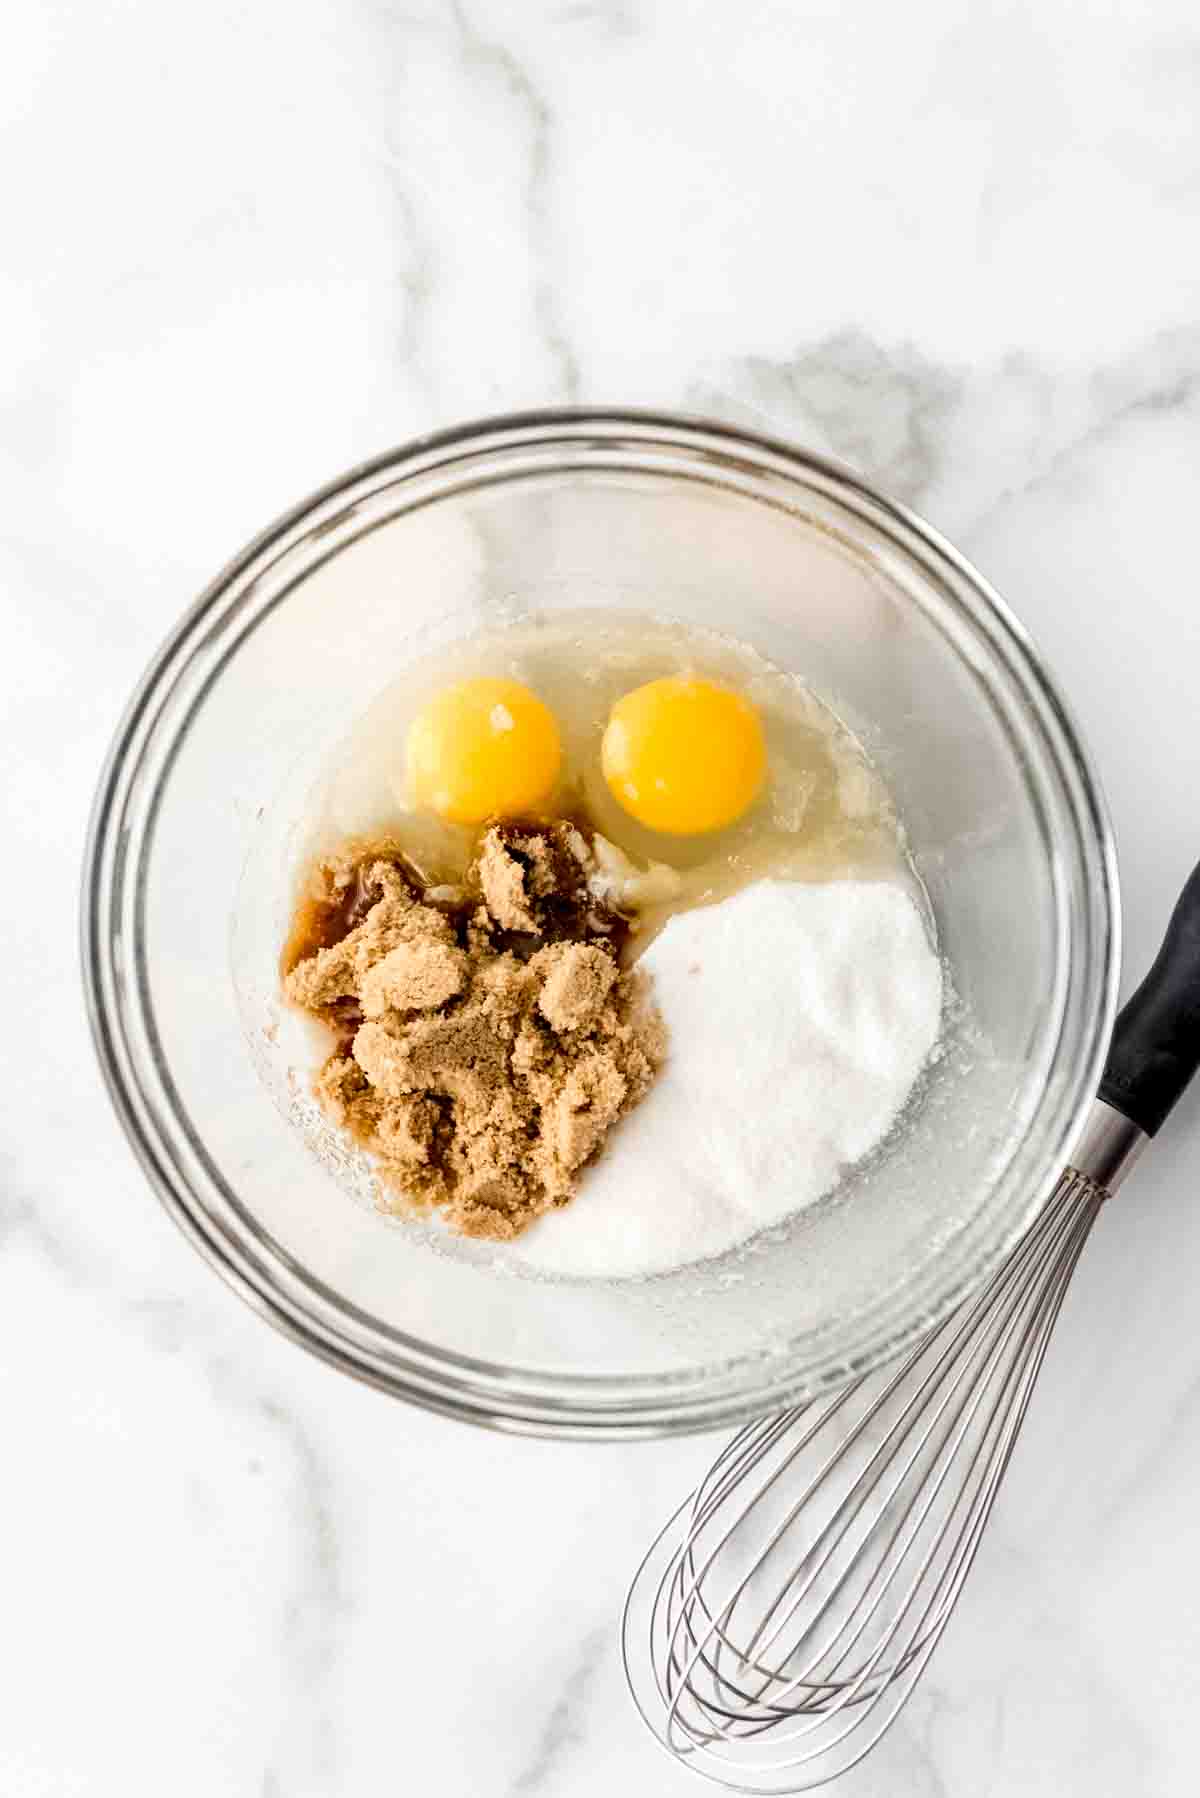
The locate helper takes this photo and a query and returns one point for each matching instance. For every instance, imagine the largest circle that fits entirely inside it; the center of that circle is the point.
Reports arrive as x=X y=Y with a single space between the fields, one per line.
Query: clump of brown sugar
x=488 y=1040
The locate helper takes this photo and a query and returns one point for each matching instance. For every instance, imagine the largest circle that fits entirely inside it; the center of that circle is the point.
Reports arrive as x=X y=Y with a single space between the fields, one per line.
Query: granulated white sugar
x=800 y=1017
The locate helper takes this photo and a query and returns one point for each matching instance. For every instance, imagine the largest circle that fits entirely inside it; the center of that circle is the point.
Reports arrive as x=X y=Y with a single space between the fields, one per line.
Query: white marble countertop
x=245 y=246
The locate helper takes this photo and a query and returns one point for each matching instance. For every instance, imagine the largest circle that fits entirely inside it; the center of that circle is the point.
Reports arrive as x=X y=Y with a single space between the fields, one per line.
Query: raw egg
x=684 y=755
x=483 y=748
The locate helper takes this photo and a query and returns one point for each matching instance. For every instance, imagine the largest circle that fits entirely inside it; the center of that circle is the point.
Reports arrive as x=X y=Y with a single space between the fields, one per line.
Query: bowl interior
x=202 y=819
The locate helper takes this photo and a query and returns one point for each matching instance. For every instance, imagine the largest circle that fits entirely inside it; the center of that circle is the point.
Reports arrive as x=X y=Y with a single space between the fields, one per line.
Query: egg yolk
x=683 y=755
x=482 y=749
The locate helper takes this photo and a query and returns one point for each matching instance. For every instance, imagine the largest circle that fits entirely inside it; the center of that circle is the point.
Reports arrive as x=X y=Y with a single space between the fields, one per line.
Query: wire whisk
x=792 y=1603
x=795 y=1598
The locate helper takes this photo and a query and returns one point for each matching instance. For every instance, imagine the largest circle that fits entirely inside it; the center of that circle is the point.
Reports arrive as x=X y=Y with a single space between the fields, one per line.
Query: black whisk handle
x=1156 y=1040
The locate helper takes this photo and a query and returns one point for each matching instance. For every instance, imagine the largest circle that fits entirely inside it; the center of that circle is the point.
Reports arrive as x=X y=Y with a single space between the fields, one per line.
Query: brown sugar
x=485 y=1046
x=577 y=981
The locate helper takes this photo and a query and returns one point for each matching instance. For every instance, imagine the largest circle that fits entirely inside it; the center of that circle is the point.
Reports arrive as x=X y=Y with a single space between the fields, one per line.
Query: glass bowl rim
x=513 y=1399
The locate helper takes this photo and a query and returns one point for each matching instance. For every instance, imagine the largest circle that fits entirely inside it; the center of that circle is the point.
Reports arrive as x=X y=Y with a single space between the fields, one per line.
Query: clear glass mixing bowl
x=196 y=819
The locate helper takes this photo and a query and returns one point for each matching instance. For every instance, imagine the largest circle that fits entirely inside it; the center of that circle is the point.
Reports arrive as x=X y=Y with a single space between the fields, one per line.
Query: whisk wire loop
x=792 y=1602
